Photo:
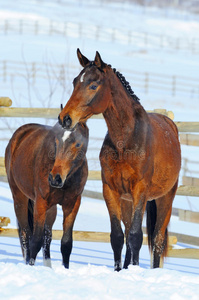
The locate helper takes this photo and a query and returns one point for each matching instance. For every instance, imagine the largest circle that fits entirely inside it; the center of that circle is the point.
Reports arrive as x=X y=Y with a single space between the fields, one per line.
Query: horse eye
x=77 y=145
x=93 y=87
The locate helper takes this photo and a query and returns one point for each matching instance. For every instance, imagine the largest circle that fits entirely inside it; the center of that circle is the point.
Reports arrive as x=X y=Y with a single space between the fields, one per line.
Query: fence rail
x=52 y=113
x=95 y=32
x=104 y=237
x=146 y=82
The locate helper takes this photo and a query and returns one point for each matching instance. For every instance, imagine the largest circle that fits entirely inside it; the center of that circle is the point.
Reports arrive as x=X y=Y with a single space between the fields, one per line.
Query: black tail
x=151 y=210
x=151 y=221
x=30 y=214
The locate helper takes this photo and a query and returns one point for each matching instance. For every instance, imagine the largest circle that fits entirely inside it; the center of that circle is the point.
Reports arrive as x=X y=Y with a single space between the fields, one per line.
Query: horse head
x=70 y=149
x=90 y=94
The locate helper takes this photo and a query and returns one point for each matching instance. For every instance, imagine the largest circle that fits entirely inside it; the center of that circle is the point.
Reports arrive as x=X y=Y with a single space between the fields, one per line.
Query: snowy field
x=91 y=274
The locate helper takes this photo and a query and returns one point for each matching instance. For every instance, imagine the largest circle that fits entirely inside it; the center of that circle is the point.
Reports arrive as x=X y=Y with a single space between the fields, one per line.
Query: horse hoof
x=117 y=267
x=31 y=262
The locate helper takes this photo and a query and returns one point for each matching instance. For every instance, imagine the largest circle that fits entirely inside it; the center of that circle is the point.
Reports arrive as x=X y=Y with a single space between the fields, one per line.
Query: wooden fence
x=102 y=237
x=96 y=175
x=144 y=81
x=80 y=30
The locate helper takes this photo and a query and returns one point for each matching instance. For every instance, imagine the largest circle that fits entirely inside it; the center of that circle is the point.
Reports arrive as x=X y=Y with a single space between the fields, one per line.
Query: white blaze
x=66 y=135
x=82 y=77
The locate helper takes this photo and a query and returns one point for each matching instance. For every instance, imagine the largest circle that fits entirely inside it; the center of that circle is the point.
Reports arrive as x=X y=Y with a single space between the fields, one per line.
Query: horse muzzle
x=56 y=181
x=66 y=123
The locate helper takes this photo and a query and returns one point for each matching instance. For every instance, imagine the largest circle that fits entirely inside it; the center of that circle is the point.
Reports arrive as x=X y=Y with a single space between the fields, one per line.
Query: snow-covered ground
x=91 y=273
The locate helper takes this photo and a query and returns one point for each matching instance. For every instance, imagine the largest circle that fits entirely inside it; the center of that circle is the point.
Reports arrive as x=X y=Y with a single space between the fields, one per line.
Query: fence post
x=146 y=86
x=62 y=74
x=6 y=26
x=80 y=30
x=161 y=41
x=97 y=32
x=65 y=29
x=51 y=28
x=113 y=35
x=146 y=39
x=20 y=26
x=185 y=169
x=36 y=27
x=174 y=85
x=33 y=72
x=177 y=43
x=4 y=71
x=129 y=37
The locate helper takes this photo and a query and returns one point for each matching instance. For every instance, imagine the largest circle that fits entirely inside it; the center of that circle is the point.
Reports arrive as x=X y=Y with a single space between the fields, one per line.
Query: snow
x=88 y=282
x=91 y=274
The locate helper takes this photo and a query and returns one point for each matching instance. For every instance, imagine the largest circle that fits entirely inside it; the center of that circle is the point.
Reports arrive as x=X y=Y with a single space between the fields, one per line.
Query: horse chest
x=120 y=176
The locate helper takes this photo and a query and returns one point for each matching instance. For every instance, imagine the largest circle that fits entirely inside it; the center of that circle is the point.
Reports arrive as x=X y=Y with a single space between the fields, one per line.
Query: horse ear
x=61 y=106
x=82 y=59
x=98 y=61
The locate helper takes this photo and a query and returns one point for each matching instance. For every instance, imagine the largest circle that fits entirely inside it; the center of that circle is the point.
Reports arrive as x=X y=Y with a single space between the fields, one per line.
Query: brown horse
x=140 y=158
x=46 y=166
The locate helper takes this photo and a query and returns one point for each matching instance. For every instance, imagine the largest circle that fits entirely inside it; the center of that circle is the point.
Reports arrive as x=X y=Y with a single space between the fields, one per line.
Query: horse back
x=21 y=150
x=164 y=121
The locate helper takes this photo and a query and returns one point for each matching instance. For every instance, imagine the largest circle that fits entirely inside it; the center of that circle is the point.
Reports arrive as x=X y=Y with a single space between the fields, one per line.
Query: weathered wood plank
x=24 y=112
x=188 y=191
x=54 y=112
x=4 y=221
x=84 y=236
x=188 y=126
x=188 y=216
x=191 y=181
x=2 y=162
x=184 y=253
x=5 y=101
x=189 y=139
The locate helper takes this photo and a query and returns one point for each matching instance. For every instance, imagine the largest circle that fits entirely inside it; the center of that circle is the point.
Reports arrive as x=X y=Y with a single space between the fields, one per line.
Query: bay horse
x=46 y=166
x=140 y=158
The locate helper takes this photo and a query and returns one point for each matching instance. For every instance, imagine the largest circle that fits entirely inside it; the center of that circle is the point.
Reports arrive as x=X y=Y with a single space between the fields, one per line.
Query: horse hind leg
x=21 y=206
x=158 y=217
x=47 y=235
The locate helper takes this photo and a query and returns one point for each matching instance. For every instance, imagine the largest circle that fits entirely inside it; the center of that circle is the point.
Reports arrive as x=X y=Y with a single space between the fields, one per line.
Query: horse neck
x=123 y=116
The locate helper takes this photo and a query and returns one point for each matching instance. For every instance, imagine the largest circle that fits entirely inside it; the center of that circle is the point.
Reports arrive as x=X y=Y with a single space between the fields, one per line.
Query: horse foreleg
x=112 y=199
x=126 y=207
x=36 y=243
x=70 y=213
x=47 y=235
x=135 y=236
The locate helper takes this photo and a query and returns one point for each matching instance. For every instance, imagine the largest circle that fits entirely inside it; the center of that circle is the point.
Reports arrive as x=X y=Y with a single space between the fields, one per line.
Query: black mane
x=126 y=84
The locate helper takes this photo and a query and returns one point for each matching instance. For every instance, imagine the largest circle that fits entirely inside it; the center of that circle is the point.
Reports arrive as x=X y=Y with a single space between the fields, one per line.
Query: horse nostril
x=50 y=178
x=67 y=122
x=58 y=180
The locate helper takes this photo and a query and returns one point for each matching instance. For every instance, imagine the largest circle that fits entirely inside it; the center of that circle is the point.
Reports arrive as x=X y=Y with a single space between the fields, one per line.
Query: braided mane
x=125 y=84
